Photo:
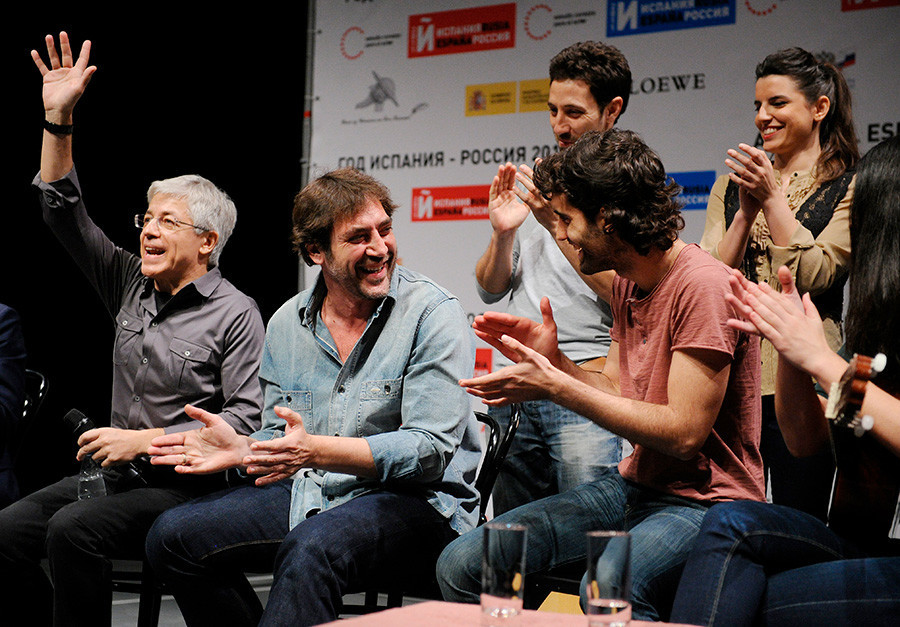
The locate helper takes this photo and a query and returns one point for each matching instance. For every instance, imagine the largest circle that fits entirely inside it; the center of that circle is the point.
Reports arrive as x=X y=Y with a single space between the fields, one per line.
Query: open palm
x=541 y=337
x=64 y=82
x=505 y=209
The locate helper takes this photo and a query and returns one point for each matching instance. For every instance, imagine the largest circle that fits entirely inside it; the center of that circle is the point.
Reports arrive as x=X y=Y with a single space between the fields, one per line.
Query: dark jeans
x=803 y=483
x=78 y=538
x=203 y=548
x=759 y=563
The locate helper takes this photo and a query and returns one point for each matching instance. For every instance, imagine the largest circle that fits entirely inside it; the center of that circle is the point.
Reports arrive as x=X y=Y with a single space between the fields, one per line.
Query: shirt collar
x=204 y=285
x=311 y=300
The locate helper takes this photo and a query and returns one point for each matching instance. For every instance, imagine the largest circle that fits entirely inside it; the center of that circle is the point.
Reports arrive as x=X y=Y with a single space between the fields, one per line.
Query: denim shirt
x=398 y=389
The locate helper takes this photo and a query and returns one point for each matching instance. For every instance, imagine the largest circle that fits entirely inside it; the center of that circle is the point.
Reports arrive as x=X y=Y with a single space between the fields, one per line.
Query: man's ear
x=612 y=110
x=601 y=223
x=315 y=253
x=210 y=239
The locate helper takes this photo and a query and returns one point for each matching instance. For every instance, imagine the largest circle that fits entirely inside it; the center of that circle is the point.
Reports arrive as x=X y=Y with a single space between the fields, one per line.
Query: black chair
x=127 y=577
x=498 y=443
x=36 y=388
x=136 y=576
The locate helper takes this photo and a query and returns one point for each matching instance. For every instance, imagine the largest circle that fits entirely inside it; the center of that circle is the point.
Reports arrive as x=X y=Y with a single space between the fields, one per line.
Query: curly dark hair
x=603 y=67
x=614 y=175
x=334 y=196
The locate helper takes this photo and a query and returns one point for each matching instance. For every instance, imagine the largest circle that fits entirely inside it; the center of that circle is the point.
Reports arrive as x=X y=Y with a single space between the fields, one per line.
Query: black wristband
x=58 y=129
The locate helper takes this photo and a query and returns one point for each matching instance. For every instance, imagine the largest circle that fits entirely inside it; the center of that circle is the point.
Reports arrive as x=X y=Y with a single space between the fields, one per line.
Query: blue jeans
x=662 y=527
x=756 y=562
x=203 y=548
x=554 y=450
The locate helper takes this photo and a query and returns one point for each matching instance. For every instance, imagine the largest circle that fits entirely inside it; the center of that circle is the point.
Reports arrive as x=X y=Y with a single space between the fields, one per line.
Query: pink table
x=445 y=614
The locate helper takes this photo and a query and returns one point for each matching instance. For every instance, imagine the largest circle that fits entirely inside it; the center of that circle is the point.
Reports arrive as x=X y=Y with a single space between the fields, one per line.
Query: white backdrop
x=429 y=96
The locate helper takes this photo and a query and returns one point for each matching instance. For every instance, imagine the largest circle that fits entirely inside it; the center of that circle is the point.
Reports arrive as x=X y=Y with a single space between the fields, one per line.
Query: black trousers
x=79 y=538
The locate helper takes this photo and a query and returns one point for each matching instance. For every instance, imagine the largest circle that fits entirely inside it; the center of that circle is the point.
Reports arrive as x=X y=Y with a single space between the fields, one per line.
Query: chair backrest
x=35 y=392
x=36 y=387
x=498 y=442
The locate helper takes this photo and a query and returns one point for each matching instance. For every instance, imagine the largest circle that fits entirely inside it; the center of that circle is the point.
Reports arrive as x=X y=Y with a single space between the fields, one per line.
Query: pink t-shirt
x=687 y=309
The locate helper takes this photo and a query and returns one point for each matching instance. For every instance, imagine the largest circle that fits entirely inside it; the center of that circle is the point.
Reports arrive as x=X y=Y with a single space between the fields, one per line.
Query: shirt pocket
x=129 y=330
x=189 y=363
x=299 y=401
x=379 y=406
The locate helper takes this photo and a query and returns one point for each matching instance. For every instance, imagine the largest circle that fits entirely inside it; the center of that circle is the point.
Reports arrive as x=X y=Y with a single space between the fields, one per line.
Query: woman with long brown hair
x=791 y=211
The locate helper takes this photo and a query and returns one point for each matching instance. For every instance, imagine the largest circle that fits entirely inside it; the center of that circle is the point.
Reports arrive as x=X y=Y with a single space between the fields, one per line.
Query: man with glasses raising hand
x=183 y=335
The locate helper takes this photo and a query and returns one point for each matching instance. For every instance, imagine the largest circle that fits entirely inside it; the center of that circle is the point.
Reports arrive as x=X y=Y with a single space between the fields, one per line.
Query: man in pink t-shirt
x=679 y=383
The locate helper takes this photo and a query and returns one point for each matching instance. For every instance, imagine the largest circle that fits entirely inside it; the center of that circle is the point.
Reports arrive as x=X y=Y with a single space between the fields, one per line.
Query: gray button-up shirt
x=201 y=347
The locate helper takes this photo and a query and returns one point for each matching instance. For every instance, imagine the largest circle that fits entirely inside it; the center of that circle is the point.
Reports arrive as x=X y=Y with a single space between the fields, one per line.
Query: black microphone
x=78 y=422
x=130 y=474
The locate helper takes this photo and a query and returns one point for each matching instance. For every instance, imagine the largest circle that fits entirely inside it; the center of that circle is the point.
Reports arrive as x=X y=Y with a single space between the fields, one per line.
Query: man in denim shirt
x=363 y=412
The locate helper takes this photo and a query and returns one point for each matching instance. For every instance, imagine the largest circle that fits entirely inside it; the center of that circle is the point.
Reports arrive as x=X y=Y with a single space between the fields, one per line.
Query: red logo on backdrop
x=484 y=361
x=351 y=43
x=463 y=30
x=530 y=28
x=760 y=10
x=856 y=5
x=466 y=202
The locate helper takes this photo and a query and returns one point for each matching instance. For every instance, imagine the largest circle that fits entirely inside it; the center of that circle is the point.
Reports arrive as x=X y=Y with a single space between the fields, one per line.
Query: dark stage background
x=177 y=91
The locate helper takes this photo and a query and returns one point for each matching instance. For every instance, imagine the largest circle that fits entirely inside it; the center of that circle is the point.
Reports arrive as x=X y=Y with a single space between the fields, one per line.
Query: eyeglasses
x=167 y=223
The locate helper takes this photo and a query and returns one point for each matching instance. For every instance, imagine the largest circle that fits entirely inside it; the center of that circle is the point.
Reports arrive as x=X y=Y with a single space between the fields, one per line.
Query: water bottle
x=91 y=483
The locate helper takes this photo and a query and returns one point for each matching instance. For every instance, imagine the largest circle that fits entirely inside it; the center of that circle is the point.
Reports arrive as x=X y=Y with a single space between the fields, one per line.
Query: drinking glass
x=608 y=578
x=502 y=573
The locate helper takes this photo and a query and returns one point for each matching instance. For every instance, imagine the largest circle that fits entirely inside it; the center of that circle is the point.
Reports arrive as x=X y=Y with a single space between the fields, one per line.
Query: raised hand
x=506 y=211
x=214 y=447
x=529 y=194
x=754 y=173
x=64 y=81
x=491 y=326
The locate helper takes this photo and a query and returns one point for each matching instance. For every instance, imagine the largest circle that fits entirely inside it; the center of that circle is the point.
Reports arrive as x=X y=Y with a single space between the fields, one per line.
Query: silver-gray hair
x=209 y=207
